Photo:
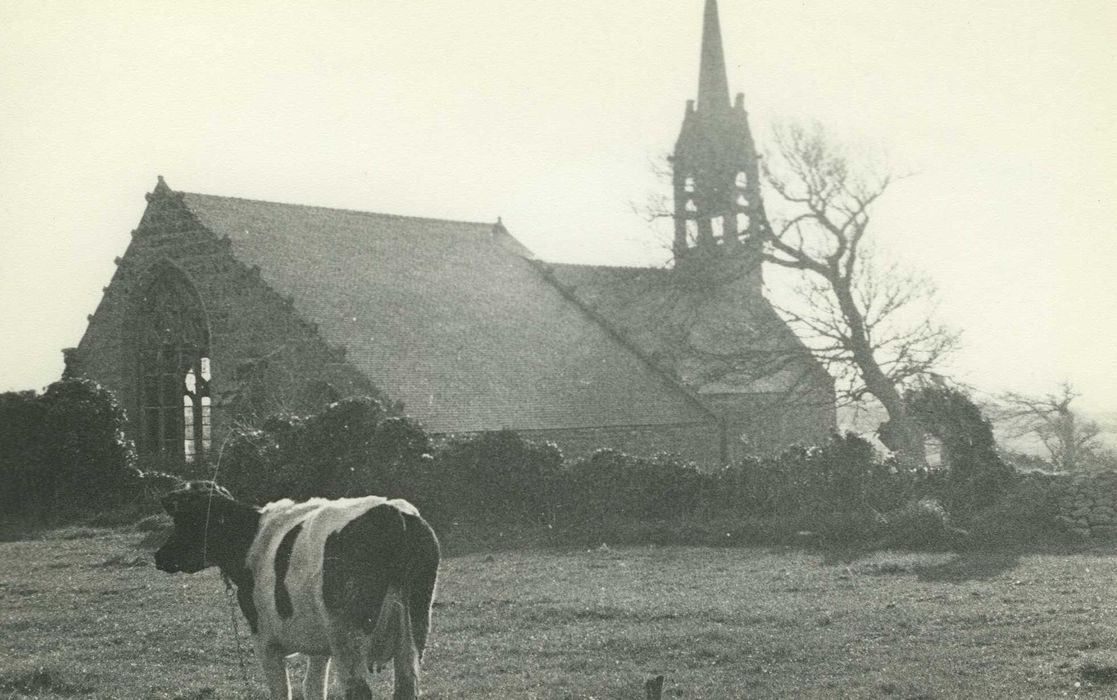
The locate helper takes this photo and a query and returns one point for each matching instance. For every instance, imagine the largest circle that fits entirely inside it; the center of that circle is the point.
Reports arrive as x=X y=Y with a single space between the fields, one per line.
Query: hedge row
x=65 y=449
x=353 y=448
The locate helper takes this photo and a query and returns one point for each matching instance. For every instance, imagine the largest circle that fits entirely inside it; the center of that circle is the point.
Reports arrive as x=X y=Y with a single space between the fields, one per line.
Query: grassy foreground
x=84 y=614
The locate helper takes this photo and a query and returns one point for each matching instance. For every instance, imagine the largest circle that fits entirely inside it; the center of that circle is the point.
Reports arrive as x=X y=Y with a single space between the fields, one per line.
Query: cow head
x=203 y=514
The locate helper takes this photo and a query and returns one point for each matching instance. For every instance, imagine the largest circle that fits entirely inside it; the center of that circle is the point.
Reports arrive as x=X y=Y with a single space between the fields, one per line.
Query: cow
x=349 y=580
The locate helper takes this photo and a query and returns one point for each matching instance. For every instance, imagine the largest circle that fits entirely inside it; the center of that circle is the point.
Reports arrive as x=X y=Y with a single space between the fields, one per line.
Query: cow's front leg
x=316 y=683
x=273 y=660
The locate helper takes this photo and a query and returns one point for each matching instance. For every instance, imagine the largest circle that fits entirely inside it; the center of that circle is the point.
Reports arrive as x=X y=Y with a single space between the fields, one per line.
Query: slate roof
x=452 y=318
x=714 y=337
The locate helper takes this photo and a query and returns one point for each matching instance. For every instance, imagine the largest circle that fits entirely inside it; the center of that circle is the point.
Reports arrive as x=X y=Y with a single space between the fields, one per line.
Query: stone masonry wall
x=1087 y=502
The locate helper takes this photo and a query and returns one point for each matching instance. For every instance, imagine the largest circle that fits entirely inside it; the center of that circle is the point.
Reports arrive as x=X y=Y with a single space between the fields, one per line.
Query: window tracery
x=174 y=369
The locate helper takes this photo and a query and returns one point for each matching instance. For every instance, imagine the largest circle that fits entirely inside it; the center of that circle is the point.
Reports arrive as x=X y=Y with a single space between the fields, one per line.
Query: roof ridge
x=343 y=209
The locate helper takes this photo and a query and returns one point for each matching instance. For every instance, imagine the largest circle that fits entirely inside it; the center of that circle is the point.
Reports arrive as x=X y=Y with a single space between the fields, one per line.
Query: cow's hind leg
x=407 y=675
x=406 y=659
x=274 y=662
x=316 y=683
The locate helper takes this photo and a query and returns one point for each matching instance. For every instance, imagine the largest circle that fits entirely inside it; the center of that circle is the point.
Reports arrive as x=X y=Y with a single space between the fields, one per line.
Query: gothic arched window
x=173 y=368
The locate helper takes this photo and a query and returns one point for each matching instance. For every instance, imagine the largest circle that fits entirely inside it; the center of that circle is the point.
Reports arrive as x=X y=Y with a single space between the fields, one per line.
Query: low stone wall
x=1087 y=502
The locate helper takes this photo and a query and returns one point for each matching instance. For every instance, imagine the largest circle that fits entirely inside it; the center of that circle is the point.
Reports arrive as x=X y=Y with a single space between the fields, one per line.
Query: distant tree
x=869 y=322
x=1072 y=442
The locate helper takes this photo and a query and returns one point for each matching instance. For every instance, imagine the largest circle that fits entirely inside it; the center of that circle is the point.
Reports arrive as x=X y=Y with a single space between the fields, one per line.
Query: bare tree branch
x=868 y=322
x=1072 y=443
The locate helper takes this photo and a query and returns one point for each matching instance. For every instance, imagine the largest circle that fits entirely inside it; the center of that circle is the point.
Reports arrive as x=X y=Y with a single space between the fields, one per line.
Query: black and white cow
x=349 y=579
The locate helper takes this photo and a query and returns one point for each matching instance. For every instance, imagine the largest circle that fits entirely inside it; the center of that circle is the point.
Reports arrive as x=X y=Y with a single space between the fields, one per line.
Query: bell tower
x=716 y=175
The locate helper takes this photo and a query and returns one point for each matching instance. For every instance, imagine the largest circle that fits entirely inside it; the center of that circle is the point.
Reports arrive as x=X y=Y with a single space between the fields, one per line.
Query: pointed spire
x=713 y=86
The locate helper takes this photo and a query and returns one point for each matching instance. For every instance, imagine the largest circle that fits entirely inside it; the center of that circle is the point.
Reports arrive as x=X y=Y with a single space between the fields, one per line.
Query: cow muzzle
x=174 y=562
x=166 y=563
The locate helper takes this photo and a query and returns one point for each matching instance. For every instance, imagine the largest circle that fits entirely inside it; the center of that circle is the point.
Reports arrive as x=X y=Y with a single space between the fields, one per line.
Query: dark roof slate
x=450 y=317
x=713 y=337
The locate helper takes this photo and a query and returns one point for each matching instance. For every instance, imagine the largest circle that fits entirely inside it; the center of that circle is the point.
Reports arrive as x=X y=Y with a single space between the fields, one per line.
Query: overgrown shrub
x=355 y=448
x=842 y=476
x=495 y=476
x=609 y=485
x=350 y=448
x=21 y=452
x=1024 y=514
x=922 y=524
x=84 y=427
x=844 y=528
x=835 y=492
x=247 y=466
x=64 y=452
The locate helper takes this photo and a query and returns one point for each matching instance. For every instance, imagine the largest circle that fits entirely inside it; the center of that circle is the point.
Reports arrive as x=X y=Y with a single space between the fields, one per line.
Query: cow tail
x=422 y=572
x=392 y=617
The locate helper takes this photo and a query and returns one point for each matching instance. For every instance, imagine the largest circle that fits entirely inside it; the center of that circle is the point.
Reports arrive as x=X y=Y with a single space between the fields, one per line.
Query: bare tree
x=869 y=322
x=1071 y=441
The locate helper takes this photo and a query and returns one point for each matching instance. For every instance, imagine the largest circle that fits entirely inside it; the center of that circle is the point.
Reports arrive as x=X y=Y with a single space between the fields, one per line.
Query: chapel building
x=223 y=310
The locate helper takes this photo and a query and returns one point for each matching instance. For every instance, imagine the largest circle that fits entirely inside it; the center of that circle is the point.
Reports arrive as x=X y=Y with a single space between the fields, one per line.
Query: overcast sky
x=548 y=115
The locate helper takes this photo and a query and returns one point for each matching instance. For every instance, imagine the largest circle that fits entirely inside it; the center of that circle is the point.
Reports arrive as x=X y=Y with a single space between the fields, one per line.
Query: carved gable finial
x=166 y=211
x=162 y=189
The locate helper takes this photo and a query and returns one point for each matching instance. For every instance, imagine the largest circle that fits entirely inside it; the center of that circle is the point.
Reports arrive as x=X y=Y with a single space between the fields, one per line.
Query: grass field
x=84 y=614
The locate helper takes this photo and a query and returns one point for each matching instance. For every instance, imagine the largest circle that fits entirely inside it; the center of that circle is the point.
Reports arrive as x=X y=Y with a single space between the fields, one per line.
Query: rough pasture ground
x=84 y=614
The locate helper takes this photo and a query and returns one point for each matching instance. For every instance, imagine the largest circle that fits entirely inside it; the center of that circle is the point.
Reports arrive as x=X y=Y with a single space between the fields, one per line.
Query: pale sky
x=548 y=115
